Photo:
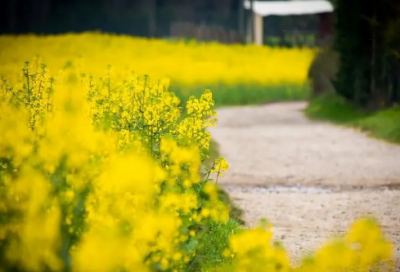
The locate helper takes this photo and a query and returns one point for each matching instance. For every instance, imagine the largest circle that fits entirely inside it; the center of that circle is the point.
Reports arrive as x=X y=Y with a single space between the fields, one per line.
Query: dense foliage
x=367 y=40
x=150 y=18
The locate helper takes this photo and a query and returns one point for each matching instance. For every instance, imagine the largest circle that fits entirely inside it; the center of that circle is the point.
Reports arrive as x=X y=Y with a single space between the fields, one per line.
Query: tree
x=368 y=74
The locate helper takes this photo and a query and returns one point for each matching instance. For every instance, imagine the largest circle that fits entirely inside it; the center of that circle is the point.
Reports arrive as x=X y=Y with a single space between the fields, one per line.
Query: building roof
x=265 y=8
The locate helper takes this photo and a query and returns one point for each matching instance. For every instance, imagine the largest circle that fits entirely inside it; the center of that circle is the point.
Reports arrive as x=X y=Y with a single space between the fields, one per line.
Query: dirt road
x=310 y=179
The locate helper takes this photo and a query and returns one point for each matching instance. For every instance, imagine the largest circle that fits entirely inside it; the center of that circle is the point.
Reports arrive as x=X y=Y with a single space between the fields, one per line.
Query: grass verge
x=245 y=94
x=383 y=124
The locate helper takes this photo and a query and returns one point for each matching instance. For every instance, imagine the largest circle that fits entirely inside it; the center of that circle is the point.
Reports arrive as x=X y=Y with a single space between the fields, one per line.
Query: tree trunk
x=152 y=11
x=241 y=17
x=12 y=15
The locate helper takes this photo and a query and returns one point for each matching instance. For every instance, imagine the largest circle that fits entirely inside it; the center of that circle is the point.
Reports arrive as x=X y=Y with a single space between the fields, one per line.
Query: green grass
x=214 y=236
x=383 y=124
x=213 y=240
x=243 y=94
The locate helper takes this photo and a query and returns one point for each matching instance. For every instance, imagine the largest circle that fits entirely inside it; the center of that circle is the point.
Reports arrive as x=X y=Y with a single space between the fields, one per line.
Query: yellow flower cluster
x=200 y=116
x=95 y=169
x=220 y=166
x=363 y=248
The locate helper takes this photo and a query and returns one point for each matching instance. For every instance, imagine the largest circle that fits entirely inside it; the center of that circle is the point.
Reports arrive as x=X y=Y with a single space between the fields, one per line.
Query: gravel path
x=310 y=179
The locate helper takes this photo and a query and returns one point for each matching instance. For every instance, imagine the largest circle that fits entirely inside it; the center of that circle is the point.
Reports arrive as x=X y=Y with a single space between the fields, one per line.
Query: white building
x=283 y=8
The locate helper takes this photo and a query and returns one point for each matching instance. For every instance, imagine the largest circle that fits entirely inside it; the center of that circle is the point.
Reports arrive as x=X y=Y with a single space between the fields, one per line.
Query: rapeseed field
x=101 y=166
